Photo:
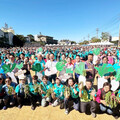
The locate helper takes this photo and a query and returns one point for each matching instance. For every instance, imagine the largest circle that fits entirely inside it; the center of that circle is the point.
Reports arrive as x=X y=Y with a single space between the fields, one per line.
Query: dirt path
x=47 y=113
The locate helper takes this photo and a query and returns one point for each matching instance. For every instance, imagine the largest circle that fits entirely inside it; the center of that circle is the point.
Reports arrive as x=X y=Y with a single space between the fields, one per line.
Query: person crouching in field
x=44 y=91
x=9 y=91
x=23 y=93
x=58 y=94
x=71 y=93
x=105 y=103
x=87 y=97
x=20 y=92
x=1 y=92
x=35 y=90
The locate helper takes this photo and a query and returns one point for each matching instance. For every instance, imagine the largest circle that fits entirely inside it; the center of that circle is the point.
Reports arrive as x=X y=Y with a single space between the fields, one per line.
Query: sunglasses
x=7 y=81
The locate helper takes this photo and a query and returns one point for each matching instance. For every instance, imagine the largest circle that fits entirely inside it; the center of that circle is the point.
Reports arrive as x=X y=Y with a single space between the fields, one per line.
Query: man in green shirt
x=87 y=97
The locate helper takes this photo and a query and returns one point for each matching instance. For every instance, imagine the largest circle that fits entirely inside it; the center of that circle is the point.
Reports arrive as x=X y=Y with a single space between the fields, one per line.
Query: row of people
x=46 y=93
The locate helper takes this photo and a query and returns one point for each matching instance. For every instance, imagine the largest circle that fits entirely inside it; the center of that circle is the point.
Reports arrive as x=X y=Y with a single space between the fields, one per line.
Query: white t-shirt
x=50 y=64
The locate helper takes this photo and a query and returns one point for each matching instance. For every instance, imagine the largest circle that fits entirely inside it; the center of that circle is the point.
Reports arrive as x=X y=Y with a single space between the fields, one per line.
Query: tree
x=105 y=36
x=42 y=43
x=4 y=42
x=65 y=40
x=73 y=42
x=94 y=40
x=115 y=42
x=84 y=42
x=81 y=43
x=18 y=40
x=31 y=37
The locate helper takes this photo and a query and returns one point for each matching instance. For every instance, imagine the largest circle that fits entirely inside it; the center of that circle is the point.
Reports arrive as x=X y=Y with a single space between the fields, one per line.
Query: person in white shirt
x=77 y=63
x=51 y=68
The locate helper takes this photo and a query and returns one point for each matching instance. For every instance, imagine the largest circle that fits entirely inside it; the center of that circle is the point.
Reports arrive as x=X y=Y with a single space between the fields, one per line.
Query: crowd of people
x=82 y=78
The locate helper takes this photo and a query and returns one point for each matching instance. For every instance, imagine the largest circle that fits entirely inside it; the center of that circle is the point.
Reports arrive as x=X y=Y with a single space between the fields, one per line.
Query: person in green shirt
x=22 y=96
x=9 y=91
x=87 y=97
x=35 y=90
x=19 y=90
x=1 y=91
x=63 y=58
x=58 y=94
x=44 y=91
x=71 y=94
x=42 y=62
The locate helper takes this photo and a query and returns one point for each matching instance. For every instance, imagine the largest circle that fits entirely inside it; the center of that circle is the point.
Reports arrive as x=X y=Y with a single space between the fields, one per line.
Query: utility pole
x=97 y=32
x=40 y=33
x=88 y=37
x=84 y=38
x=119 y=37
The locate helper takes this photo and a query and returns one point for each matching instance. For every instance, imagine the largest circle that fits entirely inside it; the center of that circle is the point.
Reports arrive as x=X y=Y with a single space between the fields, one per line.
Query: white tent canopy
x=101 y=43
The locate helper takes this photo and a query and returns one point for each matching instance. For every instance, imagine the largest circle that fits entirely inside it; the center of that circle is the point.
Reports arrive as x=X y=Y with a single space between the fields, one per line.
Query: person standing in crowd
x=106 y=77
x=11 y=59
x=103 y=55
x=77 y=63
x=6 y=59
x=27 y=67
x=117 y=65
x=2 y=95
x=42 y=63
x=11 y=62
x=47 y=57
x=22 y=57
x=63 y=58
x=51 y=68
x=2 y=71
x=90 y=71
x=69 y=65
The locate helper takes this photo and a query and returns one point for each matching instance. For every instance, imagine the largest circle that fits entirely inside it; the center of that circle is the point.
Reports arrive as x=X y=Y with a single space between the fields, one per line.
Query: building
x=65 y=42
x=29 y=38
x=1 y=33
x=45 y=39
x=114 y=38
x=7 y=33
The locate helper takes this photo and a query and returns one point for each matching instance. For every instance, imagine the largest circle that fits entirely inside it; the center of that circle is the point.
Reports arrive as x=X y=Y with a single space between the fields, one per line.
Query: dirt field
x=47 y=113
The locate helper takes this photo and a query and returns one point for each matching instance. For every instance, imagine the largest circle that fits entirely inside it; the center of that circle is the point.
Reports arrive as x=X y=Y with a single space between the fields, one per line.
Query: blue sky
x=62 y=19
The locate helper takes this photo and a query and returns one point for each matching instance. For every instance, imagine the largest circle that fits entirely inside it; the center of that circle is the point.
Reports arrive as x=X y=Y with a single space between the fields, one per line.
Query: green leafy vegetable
x=96 y=51
x=80 y=69
x=102 y=70
x=19 y=66
x=36 y=67
x=60 y=66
